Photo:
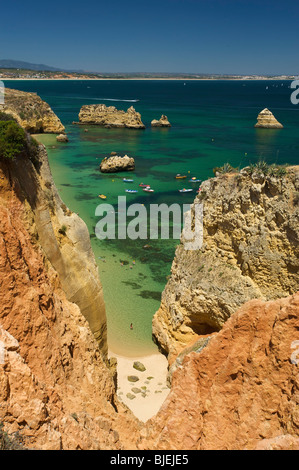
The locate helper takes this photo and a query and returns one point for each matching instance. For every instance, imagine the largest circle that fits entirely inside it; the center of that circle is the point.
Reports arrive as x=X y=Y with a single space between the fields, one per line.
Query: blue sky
x=195 y=36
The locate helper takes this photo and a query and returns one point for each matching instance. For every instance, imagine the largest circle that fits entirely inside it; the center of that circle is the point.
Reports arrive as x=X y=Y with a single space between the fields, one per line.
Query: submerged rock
x=267 y=120
x=139 y=366
x=133 y=378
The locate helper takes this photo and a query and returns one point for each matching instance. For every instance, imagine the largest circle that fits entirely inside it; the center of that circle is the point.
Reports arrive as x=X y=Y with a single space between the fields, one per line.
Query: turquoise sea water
x=212 y=123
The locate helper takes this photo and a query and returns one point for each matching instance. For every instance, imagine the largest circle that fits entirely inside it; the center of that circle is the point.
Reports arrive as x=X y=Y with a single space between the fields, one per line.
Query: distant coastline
x=42 y=74
x=152 y=78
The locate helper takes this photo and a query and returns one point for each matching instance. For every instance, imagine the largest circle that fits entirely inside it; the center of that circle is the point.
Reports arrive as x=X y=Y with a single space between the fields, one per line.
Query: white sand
x=148 y=401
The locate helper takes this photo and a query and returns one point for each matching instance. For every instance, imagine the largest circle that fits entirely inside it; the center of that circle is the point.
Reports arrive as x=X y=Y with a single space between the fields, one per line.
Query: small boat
x=180 y=177
x=126 y=180
x=142 y=185
x=148 y=190
x=102 y=196
x=185 y=190
x=131 y=191
x=194 y=180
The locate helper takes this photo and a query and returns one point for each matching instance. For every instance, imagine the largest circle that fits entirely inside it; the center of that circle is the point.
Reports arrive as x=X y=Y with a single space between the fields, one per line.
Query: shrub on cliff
x=226 y=168
x=10 y=441
x=6 y=117
x=12 y=139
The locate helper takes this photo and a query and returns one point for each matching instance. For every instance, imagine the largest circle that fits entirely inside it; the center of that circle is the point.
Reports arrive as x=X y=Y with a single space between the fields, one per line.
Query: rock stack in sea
x=114 y=164
x=266 y=120
x=162 y=122
x=109 y=116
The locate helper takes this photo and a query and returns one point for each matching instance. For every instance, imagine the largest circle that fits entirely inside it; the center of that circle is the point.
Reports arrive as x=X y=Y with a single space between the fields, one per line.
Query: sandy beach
x=145 y=396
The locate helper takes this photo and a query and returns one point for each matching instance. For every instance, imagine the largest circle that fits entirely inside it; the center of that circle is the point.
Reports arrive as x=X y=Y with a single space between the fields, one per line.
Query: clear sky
x=195 y=36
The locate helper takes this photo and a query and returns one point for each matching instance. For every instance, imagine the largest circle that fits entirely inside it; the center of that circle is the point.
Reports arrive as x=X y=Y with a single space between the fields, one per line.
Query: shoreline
x=145 y=396
x=248 y=79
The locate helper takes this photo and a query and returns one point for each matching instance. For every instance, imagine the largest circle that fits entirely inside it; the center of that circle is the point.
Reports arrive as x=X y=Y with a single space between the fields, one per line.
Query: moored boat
x=102 y=196
x=194 y=180
x=142 y=185
x=185 y=190
x=180 y=177
x=131 y=191
x=126 y=180
x=148 y=190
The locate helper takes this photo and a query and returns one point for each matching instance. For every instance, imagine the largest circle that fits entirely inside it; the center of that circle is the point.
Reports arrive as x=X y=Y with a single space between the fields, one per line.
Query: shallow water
x=212 y=123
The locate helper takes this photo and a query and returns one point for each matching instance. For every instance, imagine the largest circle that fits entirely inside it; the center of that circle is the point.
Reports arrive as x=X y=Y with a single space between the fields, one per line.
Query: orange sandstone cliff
x=56 y=387
x=239 y=392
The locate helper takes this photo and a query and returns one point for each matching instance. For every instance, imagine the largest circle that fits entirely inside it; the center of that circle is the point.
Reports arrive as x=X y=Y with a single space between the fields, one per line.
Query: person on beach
x=131 y=326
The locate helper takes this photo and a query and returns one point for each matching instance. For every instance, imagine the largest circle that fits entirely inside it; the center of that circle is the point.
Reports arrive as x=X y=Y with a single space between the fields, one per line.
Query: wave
x=99 y=99
x=115 y=99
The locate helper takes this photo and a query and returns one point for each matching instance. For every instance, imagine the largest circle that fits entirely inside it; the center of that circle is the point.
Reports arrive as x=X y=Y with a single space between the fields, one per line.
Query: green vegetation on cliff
x=12 y=139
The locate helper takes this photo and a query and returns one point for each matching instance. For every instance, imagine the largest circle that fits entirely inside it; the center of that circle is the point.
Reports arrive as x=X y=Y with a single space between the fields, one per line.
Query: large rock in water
x=102 y=115
x=31 y=112
x=162 y=122
x=242 y=388
x=116 y=164
x=266 y=120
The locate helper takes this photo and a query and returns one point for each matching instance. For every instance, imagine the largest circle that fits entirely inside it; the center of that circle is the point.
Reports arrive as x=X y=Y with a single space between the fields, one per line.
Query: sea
x=212 y=123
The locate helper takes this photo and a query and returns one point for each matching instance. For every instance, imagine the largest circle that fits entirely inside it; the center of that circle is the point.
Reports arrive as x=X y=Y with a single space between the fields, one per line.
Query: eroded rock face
x=116 y=164
x=31 y=112
x=162 y=122
x=55 y=387
x=267 y=120
x=109 y=116
x=242 y=388
x=250 y=250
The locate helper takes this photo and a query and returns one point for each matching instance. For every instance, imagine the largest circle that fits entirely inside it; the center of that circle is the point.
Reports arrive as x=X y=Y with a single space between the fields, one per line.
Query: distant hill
x=19 y=64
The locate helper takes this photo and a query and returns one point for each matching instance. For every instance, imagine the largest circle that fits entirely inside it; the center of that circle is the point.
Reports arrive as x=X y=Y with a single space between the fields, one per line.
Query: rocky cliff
x=31 y=112
x=235 y=383
x=109 y=116
x=55 y=384
x=250 y=250
x=239 y=392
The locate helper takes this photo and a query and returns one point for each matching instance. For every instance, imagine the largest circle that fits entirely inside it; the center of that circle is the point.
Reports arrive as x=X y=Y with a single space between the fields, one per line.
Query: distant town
x=18 y=70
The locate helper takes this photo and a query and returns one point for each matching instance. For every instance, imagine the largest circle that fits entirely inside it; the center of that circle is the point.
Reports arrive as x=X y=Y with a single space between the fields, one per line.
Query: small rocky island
x=266 y=120
x=115 y=164
x=162 y=122
x=109 y=116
